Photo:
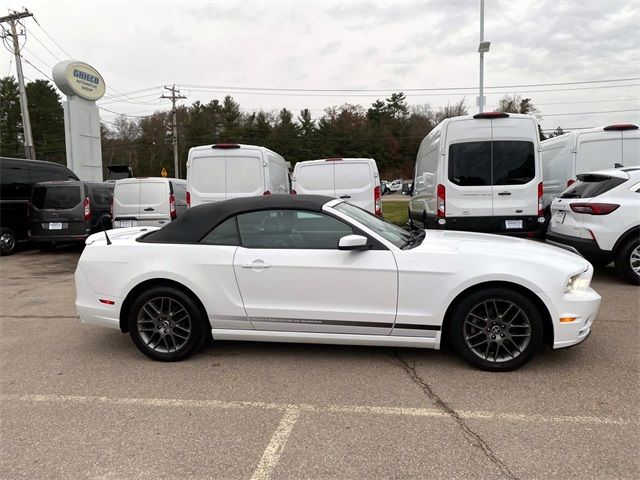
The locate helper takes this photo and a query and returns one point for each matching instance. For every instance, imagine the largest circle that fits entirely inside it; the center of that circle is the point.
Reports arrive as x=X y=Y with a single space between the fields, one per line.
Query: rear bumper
x=583 y=307
x=581 y=245
x=90 y=310
x=530 y=224
x=58 y=238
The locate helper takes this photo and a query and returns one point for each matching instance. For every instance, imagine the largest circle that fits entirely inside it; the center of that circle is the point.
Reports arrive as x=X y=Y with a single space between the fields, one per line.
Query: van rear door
x=515 y=168
x=468 y=190
x=154 y=203
x=126 y=203
x=354 y=183
x=245 y=173
x=316 y=179
x=598 y=151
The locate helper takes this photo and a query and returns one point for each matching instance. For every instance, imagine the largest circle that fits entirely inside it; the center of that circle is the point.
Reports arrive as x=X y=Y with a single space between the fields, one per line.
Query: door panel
x=515 y=191
x=245 y=173
x=309 y=290
x=154 y=202
x=316 y=178
x=468 y=191
x=354 y=183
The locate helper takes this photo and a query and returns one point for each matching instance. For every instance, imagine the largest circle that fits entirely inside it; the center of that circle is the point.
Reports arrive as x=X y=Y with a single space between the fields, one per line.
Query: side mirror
x=353 y=242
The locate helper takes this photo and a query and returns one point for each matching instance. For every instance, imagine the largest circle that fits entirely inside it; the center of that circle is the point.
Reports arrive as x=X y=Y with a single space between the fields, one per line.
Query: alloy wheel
x=7 y=242
x=497 y=330
x=164 y=324
x=634 y=260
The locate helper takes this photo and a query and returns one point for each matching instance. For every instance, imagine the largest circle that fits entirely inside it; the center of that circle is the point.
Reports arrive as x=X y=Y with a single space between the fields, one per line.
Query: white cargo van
x=151 y=201
x=479 y=173
x=582 y=151
x=229 y=170
x=353 y=179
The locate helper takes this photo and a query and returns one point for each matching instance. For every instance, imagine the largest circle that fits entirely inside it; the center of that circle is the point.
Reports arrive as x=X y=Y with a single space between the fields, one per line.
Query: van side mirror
x=353 y=242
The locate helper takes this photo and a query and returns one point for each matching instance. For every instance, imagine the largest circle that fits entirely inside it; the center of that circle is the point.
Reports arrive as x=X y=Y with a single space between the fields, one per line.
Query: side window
x=470 y=164
x=291 y=229
x=101 y=196
x=50 y=173
x=14 y=177
x=224 y=234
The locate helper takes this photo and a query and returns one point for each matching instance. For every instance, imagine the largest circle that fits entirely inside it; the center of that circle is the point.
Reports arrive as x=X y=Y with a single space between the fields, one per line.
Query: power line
x=587 y=113
x=41 y=43
x=433 y=89
x=51 y=38
x=26 y=60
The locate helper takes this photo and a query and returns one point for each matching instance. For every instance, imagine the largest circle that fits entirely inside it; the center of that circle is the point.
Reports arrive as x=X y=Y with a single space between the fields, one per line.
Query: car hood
x=501 y=246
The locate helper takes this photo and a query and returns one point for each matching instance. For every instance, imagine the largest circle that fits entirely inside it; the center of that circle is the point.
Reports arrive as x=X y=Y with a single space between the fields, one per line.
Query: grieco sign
x=78 y=78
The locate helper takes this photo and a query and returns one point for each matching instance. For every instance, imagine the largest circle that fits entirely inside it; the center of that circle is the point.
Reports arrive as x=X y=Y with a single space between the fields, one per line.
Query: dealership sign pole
x=83 y=86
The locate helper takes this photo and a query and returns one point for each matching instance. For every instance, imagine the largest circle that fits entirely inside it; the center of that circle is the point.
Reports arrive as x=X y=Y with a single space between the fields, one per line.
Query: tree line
x=389 y=131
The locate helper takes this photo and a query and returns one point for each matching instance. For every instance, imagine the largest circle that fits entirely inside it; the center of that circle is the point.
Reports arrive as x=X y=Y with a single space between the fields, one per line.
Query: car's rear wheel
x=8 y=241
x=166 y=324
x=496 y=329
x=628 y=261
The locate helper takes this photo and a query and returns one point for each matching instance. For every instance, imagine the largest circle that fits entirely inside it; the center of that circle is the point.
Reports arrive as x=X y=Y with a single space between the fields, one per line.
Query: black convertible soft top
x=196 y=222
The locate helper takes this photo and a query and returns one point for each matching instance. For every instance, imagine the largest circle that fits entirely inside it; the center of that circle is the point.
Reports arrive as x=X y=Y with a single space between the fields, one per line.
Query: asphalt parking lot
x=81 y=402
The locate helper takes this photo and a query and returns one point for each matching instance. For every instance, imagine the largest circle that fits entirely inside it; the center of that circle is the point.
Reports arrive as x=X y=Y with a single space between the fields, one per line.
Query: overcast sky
x=392 y=46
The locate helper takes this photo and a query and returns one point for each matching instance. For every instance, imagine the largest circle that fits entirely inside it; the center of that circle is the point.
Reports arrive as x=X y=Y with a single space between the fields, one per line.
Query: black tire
x=8 y=241
x=501 y=334
x=155 y=336
x=628 y=252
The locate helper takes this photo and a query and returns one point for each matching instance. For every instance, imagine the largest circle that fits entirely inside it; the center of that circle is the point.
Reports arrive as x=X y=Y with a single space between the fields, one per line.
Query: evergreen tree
x=47 y=121
x=10 y=119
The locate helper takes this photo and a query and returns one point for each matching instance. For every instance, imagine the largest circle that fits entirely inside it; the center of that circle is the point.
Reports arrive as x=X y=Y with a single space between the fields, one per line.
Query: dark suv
x=59 y=212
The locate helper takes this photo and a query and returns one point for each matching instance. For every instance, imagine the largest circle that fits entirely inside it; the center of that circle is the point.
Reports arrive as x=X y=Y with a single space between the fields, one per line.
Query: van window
x=244 y=174
x=14 y=177
x=207 y=174
x=352 y=175
x=127 y=193
x=470 y=163
x=180 y=193
x=278 y=178
x=50 y=173
x=153 y=193
x=101 y=196
x=56 y=198
x=514 y=162
x=316 y=177
x=224 y=234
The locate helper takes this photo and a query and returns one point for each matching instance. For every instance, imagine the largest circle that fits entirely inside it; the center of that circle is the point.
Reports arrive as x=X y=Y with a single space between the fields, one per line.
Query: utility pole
x=175 y=95
x=13 y=19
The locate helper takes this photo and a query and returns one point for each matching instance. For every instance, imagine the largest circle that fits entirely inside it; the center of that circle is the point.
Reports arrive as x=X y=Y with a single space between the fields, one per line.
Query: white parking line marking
x=305 y=407
x=276 y=445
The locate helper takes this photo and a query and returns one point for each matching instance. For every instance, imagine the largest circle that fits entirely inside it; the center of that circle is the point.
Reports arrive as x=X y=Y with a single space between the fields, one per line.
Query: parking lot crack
x=473 y=437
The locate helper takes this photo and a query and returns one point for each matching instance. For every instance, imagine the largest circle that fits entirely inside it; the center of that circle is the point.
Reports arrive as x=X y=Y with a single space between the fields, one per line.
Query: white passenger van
x=150 y=201
x=229 y=170
x=479 y=173
x=582 y=151
x=355 y=180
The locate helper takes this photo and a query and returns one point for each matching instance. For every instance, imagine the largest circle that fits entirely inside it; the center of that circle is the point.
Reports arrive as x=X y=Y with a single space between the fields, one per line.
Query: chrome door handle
x=148 y=209
x=504 y=193
x=255 y=264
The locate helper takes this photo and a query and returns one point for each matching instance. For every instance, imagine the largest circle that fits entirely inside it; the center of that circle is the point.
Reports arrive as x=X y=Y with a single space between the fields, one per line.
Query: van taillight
x=172 y=206
x=620 y=127
x=491 y=115
x=87 y=209
x=377 y=199
x=188 y=199
x=267 y=193
x=570 y=182
x=594 y=208
x=540 y=192
x=441 y=211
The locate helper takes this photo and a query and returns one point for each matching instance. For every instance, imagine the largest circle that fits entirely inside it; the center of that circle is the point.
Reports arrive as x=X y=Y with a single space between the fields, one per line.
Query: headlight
x=579 y=282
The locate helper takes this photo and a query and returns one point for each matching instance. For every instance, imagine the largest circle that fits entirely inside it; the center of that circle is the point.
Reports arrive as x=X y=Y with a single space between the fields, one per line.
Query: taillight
x=377 y=198
x=594 y=208
x=188 y=199
x=570 y=182
x=111 y=207
x=266 y=193
x=172 y=206
x=491 y=115
x=441 y=211
x=540 y=192
x=87 y=209
x=293 y=192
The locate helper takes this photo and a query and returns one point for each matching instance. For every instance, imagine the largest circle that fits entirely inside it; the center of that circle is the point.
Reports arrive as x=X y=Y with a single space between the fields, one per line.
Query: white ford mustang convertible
x=314 y=269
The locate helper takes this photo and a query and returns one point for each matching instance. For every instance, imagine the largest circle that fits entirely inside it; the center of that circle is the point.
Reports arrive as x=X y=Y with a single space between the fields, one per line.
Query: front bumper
x=583 y=306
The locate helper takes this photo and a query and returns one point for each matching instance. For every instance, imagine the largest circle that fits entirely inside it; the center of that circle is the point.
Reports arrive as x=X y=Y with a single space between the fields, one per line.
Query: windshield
x=385 y=229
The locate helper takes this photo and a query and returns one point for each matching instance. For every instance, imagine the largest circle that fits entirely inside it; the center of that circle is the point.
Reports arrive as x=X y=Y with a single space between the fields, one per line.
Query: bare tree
x=516 y=104
x=456 y=110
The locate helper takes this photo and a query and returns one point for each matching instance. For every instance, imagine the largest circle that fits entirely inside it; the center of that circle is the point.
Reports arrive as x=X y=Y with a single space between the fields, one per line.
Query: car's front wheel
x=166 y=324
x=8 y=241
x=628 y=261
x=496 y=329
